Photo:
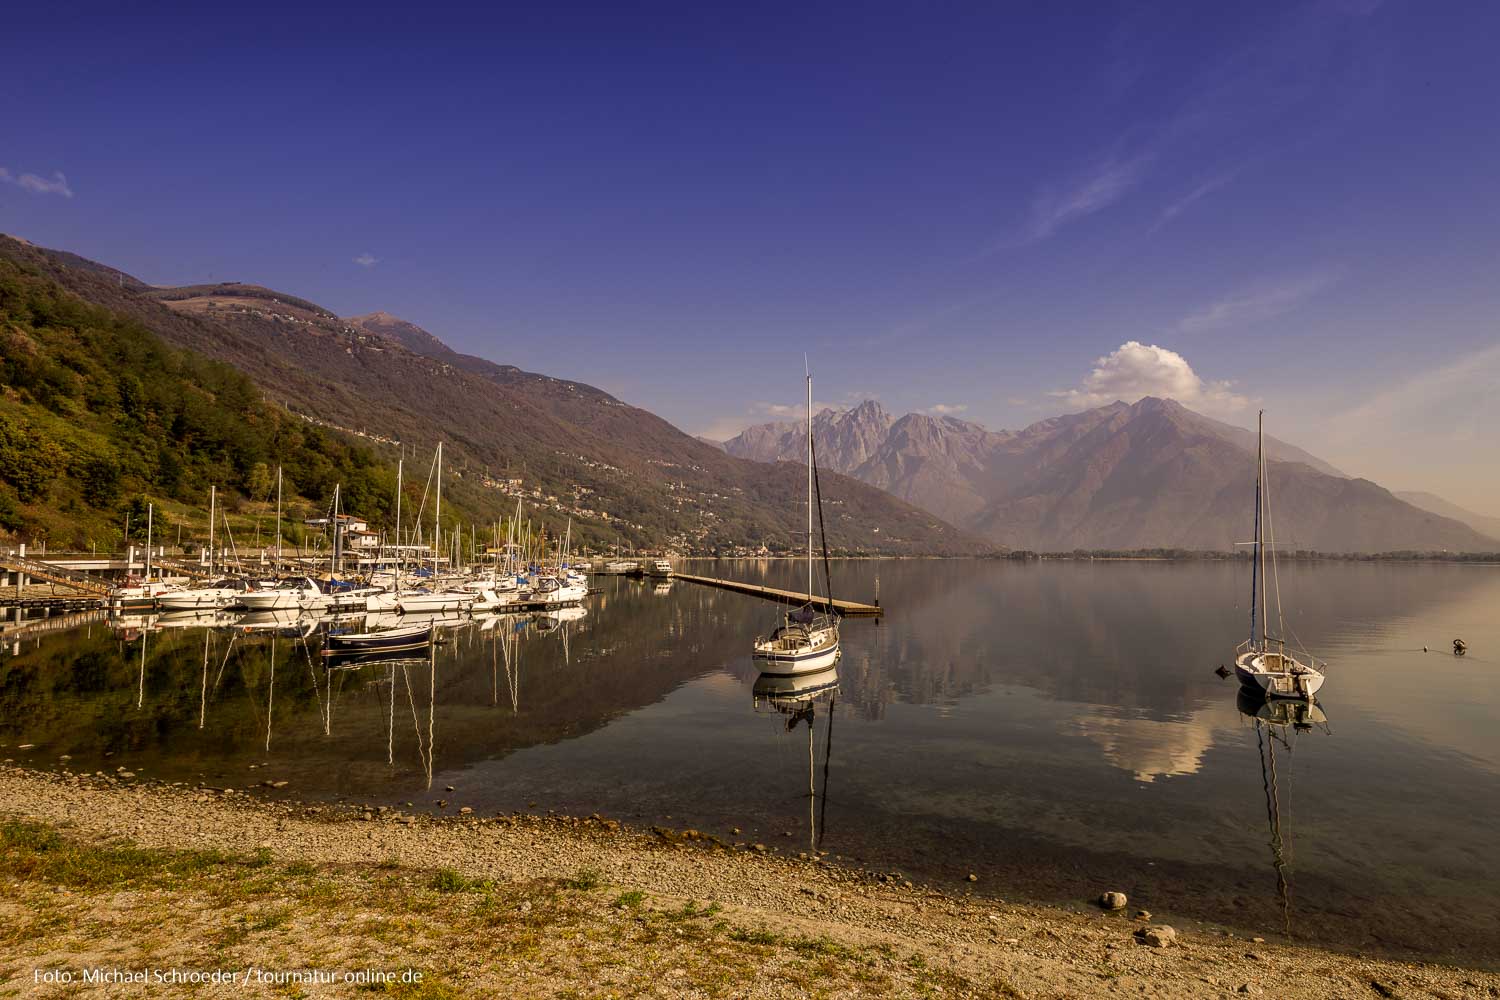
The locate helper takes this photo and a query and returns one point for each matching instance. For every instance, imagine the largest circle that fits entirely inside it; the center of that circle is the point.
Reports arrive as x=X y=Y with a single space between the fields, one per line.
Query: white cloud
x=946 y=409
x=367 y=260
x=1134 y=370
x=56 y=184
x=1255 y=305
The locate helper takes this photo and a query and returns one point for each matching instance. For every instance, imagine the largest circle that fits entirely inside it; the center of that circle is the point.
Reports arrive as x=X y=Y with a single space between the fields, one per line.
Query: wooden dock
x=848 y=609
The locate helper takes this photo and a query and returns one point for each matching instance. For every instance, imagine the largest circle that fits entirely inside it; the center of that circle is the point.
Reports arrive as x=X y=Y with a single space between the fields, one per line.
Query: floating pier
x=848 y=609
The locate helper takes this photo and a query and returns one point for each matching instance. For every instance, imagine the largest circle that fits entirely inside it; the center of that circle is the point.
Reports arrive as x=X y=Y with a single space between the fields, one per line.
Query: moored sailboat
x=1263 y=662
x=806 y=639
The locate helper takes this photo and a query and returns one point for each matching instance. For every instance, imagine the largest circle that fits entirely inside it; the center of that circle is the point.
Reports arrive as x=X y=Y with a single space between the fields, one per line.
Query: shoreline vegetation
x=114 y=872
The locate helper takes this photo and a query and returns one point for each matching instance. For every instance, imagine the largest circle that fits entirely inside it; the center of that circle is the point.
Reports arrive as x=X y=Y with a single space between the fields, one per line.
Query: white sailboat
x=219 y=594
x=807 y=639
x=439 y=598
x=1263 y=662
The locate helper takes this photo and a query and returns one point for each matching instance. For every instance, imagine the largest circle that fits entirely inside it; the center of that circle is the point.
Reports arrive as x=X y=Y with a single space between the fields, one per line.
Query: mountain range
x=624 y=476
x=1150 y=474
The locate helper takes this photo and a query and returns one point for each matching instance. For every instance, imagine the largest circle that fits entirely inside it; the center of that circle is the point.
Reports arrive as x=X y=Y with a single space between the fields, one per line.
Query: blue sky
x=999 y=211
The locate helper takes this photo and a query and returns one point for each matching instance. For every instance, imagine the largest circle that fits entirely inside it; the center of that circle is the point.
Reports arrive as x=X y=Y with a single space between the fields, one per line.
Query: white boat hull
x=783 y=662
x=198 y=600
x=1252 y=673
x=441 y=601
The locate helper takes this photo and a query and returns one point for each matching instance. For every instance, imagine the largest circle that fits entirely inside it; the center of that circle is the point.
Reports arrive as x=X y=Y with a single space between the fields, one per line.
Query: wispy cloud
x=1134 y=370
x=1083 y=194
x=1192 y=197
x=367 y=260
x=36 y=184
x=946 y=409
x=1256 y=304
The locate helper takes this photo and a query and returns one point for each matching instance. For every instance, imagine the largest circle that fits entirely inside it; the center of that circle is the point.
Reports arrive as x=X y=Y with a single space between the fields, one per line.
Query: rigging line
x=227 y=650
x=1275 y=572
x=827 y=758
x=416 y=727
x=1283 y=887
x=818 y=491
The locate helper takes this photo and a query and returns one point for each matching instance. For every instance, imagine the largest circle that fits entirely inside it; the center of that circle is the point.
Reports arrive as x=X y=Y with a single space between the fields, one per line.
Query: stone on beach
x=1113 y=900
x=1157 y=935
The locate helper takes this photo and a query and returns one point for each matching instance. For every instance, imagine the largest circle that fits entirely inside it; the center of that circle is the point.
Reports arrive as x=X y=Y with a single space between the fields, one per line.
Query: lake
x=1055 y=729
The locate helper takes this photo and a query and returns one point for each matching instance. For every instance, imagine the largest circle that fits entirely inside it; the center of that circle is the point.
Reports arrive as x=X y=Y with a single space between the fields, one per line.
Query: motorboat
x=219 y=594
x=299 y=593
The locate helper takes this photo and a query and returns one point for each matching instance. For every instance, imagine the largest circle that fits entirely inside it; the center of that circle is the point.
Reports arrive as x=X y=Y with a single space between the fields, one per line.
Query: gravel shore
x=774 y=925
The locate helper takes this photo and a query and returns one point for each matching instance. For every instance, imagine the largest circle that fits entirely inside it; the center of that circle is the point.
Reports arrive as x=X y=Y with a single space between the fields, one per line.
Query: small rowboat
x=387 y=640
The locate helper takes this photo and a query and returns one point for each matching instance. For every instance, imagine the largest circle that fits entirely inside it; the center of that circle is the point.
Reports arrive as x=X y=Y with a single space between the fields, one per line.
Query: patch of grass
x=301 y=869
x=451 y=880
x=631 y=900
x=32 y=851
x=586 y=879
x=759 y=936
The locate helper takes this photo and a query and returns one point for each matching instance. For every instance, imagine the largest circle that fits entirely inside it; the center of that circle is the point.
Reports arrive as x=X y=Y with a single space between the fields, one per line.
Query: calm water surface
x=1056 y=729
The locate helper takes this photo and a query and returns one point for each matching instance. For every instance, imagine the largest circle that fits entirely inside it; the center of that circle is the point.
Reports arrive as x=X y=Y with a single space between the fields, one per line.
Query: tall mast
x=150 y=508
x=809 y=484
x=1255 y=559
x=212 y=494
x=278 y=519
x=437 y=516
x=333 y=556
x=399 y=463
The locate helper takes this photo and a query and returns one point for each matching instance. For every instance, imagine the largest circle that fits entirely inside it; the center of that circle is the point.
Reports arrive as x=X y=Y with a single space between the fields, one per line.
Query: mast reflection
x=797 y=698
x=1279 y=722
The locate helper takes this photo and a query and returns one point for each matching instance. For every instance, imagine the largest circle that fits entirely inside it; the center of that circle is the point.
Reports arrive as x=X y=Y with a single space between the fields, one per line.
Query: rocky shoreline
x=870 y=934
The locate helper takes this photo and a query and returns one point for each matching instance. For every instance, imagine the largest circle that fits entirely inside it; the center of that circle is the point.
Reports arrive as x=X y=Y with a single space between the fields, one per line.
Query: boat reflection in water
x=797 y=697
x=1279 y=722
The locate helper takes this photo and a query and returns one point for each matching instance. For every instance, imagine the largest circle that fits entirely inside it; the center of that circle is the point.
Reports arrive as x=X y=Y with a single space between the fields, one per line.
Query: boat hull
x=384 y=641
x=793 y=663
x=1275 y=683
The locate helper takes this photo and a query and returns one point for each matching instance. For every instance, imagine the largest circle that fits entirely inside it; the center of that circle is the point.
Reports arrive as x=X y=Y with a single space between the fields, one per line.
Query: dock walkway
x=850 y=609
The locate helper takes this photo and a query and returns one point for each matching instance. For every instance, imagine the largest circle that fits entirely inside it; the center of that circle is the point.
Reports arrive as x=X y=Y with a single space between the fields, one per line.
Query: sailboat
x=1262 y=662
x=208 y=597
x=807 y=639
x=445 y=599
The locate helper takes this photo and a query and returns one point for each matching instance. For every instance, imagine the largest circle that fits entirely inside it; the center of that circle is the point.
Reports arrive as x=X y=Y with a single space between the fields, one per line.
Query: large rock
x=1157 y=936
x=1113 y=900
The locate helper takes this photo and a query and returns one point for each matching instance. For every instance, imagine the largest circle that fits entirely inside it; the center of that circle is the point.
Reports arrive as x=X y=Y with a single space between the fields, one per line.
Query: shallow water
x=1055 y=729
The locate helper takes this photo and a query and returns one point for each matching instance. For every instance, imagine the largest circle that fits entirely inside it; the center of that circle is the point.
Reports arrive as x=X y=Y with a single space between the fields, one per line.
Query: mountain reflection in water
x=1056 y=729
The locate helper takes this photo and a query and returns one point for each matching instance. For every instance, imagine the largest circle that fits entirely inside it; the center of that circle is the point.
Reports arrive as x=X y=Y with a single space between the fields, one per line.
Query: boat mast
x=333 y=552
x=149 y=509
x=1255 y=559
x=437 y=516
x=399 y=463
x=809 y=483
x=212 y=493
x=278 y=519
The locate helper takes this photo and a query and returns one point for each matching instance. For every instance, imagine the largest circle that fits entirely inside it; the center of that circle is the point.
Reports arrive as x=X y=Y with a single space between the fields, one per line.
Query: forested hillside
x=97 y=414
